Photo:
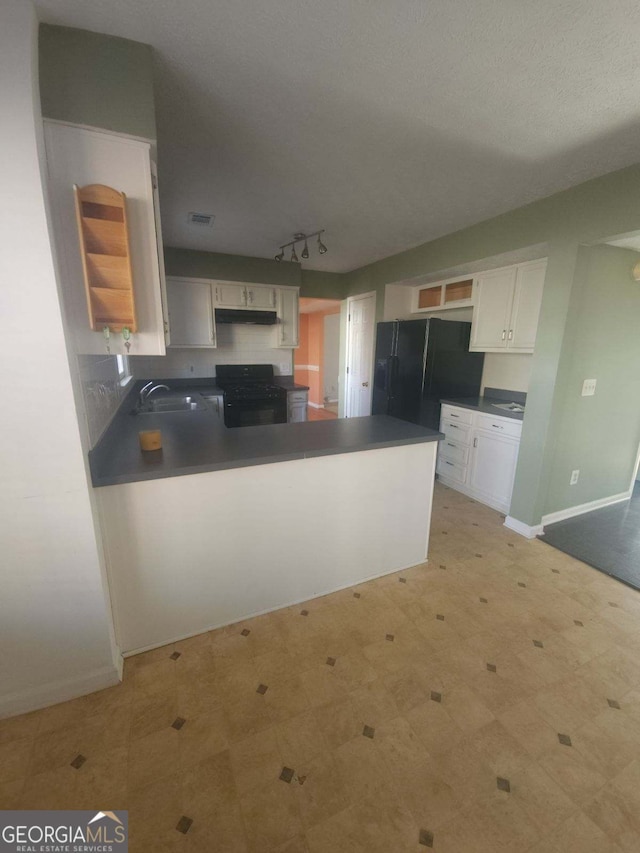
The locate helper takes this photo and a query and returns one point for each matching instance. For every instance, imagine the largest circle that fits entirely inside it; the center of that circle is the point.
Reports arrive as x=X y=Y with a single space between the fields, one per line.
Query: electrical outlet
x=574 y=477
x=589 y=387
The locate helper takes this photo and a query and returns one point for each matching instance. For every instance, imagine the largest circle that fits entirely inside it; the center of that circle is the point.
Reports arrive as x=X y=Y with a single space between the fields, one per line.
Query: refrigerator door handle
x=387 y=374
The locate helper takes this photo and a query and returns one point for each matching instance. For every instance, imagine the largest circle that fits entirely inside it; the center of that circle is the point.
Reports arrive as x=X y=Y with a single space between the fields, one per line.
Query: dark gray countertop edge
x=181 y=471
x=484 y=405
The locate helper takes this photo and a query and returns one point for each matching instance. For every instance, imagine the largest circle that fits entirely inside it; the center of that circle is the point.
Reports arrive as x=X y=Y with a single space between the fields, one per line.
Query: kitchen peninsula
x=223 y=524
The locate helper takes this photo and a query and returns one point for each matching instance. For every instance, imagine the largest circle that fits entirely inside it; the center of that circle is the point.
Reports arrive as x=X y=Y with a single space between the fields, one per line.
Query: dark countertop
x=484 y=404
x=197 y=441
x=289 y=383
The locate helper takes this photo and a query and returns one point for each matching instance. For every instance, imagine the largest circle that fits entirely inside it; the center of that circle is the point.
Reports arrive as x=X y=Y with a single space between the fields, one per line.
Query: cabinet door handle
x=510 y=334
x=497 y=426
x=454 y=416
x=273 y=298
x=450 y=445
x=504 y=334
x=448 y=463
x=454 y=426
x=475 y=441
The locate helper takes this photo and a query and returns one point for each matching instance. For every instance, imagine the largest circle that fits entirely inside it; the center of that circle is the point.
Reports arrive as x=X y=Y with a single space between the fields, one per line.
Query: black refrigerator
x=420 y=362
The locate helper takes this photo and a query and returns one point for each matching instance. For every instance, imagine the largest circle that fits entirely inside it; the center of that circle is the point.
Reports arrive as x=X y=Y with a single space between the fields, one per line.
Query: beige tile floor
x=486 y=701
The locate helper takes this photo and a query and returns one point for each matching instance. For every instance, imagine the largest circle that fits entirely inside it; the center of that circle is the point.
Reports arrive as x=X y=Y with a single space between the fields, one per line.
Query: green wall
x=599 y=435
x=102 y=81
x=189 y=262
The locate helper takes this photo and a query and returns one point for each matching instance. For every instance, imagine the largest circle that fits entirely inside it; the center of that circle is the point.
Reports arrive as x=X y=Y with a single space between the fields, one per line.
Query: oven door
x=241 y=413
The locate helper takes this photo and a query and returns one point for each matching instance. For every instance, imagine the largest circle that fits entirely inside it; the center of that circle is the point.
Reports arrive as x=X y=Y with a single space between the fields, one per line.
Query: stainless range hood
x=248 y=317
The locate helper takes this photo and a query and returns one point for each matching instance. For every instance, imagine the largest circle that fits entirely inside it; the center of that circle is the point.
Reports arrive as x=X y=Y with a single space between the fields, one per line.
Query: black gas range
x=251 y=397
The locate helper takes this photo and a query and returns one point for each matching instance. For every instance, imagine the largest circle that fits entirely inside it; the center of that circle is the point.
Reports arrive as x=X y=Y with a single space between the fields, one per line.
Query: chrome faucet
x=145 y=394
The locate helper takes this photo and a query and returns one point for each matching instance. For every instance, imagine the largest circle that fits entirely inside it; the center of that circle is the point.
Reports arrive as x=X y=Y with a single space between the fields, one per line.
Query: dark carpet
x=607 y=539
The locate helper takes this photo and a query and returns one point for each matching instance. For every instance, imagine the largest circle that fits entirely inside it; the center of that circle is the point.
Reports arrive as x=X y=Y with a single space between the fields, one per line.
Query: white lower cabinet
x=297 y=402
x=479 y=454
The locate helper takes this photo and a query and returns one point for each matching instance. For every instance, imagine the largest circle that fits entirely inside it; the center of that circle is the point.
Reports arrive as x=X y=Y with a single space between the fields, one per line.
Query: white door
x=492 y=309
x=190 y=313
x=263 y=298
x=526 y=306
x=230 y=295
x=361 y=311
x=493 y=467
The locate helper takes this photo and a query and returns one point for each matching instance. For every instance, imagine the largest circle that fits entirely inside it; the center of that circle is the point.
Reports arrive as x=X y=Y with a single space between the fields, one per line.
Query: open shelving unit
x=104 y=242
x=453 y=293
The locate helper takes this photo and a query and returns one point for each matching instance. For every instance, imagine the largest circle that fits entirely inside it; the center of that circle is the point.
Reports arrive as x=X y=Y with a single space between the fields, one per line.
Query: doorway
x=317 y=357
x=361 y=324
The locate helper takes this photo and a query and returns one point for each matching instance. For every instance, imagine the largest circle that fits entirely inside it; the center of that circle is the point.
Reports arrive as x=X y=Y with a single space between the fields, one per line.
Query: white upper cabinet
x=288 y=317
x=261 y=297
x=527 y=299
x=492 y=309
x=191 y=313
x=192 y=307
x=230 y=295
x=506 y=308
x=76 y=155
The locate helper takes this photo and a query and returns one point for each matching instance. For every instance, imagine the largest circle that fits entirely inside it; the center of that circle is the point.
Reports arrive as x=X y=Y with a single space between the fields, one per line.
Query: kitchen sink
x=173 y=403
x=509 y=407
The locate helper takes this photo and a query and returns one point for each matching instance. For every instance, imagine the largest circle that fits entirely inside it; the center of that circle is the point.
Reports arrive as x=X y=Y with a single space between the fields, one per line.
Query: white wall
x=102 y=393
x=55 y=626
x=379 y=520
x=511 y=371
x=237 y=344
x=331 y=356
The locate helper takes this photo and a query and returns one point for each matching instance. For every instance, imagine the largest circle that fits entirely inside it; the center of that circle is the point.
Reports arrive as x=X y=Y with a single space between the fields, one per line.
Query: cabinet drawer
x=297 y=396
x=452 y=413
x=454 y=451
x=451 y=470
x=503 y=426
x=458 y=432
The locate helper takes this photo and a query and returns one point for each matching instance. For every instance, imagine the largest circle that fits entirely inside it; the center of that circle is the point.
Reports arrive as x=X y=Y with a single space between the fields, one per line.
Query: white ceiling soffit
x=629 y=241
x=387 y=123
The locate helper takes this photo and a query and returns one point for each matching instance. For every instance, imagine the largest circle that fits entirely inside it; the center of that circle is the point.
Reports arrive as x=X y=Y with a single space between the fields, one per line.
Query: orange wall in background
x=309 y=357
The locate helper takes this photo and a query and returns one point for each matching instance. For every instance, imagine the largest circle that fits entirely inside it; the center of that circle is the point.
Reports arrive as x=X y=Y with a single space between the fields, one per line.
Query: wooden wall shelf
x=106 y=261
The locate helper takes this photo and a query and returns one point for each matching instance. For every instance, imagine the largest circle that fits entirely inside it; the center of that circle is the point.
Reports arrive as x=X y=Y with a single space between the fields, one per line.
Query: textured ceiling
x=387 y=123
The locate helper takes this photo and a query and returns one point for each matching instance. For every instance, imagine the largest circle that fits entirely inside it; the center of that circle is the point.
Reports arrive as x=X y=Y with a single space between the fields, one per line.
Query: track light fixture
x=299 y=238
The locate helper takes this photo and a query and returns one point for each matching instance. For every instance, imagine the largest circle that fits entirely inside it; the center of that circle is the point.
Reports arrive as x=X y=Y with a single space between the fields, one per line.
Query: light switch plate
x=589 y=387
x=574 y=477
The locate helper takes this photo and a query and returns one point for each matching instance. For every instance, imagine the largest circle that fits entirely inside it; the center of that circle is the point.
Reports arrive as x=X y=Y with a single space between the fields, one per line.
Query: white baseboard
x=315 y=405
x=531 y=531
x=526 y=530
x=572 y=511
x=58 y=691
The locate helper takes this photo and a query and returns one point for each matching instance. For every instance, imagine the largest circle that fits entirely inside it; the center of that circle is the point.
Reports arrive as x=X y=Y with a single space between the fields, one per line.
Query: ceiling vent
x=204 y=219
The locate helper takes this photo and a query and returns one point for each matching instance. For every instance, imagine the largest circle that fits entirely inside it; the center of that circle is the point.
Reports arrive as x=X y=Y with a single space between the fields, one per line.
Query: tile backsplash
x=237 y=344
x=102 y=392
